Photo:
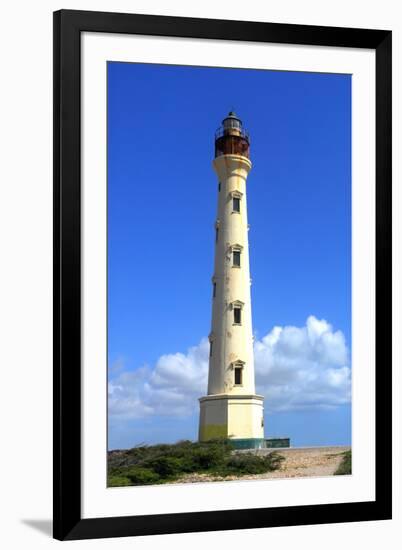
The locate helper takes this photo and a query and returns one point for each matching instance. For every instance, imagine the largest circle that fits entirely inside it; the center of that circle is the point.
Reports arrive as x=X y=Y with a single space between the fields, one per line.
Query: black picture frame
x=68 y=522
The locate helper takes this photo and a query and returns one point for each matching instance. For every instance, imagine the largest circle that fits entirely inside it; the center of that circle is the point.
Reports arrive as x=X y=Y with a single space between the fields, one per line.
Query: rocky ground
x=299 y=462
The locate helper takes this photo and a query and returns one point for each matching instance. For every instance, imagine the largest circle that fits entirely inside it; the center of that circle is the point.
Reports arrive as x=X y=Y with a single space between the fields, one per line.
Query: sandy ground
x=299 y=462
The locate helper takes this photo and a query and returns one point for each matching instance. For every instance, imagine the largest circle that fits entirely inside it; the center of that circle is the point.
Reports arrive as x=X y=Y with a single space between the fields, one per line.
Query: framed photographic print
x=222 y=274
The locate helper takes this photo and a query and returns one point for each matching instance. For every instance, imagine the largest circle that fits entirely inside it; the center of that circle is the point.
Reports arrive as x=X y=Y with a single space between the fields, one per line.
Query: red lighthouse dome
x=231 y=138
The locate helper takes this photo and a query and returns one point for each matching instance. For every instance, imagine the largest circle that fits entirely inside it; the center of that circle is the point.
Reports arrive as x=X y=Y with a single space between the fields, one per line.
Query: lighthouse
x=231 y=409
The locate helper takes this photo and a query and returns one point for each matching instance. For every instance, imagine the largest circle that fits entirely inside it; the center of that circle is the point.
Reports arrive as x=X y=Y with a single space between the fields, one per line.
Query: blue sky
x=161 y=210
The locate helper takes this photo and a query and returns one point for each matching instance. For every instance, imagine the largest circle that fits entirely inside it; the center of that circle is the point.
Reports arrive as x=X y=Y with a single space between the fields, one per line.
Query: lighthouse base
x=239 y=418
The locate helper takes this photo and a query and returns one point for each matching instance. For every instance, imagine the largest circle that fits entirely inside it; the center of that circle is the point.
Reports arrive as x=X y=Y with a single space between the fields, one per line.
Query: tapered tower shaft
x=231 y=334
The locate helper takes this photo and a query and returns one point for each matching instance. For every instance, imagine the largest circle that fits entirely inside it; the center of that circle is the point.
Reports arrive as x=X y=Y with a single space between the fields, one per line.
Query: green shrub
x=345 y=467
x=248 y=463
x=146 y=465
x=165 y=466
x=208 y=457
x=118 y=481
x=142 y=476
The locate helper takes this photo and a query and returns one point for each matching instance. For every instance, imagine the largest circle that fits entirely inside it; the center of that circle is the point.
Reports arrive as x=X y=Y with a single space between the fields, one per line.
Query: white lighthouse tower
x=232 y=409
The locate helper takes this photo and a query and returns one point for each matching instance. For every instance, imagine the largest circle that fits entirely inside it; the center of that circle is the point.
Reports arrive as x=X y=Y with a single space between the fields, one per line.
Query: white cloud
x=296 y=368
x=303 y=367
x=171 y=387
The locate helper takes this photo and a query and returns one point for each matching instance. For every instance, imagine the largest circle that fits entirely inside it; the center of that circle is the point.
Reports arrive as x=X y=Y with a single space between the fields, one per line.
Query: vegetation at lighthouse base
x=345 y=467
x=164 y=463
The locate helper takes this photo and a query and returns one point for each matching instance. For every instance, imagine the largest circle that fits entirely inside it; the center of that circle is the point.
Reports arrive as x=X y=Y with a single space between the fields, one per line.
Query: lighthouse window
x=219 y=186
x=236 y=258
x=210 y=349
x=237 y=315
x=214 y=291
x=236 y=204
x=216 y=234
x=238 y=376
